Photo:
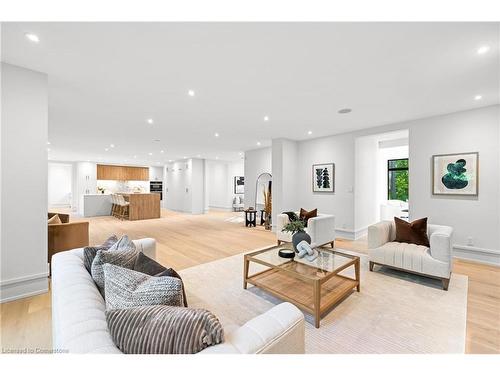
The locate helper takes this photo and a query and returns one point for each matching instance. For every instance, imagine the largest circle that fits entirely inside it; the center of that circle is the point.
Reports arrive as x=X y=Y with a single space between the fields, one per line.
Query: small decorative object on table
x=101 y=190
x=286 y=253
x=296 y=227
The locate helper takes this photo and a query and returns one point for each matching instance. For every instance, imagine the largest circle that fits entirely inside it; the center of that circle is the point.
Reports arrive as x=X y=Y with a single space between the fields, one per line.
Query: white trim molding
x=478 y=254
x=350 y=234
x=23 y=287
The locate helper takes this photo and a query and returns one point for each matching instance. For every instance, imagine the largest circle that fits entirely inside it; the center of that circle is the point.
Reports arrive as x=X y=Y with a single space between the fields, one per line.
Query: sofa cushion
x=54 y=220
x=89 y=252
x=126 y=288
x=163 y=329
x=125 y=258
x=150 y=267
x=414 y=232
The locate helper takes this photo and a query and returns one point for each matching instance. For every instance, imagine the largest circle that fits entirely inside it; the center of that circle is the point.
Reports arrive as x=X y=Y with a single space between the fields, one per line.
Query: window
x=397 y=179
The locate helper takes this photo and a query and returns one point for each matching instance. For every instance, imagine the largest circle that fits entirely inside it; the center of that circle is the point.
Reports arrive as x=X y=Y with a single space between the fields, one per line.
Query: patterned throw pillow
x=163 y=330
x=124 y=258
x=124 y=243
x=150 y=267
x=90 y=252
x=125 y=288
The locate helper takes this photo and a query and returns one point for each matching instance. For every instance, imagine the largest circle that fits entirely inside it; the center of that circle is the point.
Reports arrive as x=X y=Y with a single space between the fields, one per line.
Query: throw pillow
x=124 y=243
x=124 y=258
x=150 y=267
x=414 y=232
x=163 y=330
x=90 y=252
x=54 y=220
x=306 y=215
x=126 y=288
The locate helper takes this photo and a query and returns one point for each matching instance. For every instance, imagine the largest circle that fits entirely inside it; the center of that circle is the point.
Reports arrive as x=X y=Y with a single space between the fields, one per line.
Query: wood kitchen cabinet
x=122 y=173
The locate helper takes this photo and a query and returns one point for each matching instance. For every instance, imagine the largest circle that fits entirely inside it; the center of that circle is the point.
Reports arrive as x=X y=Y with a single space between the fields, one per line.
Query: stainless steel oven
x=156 y=187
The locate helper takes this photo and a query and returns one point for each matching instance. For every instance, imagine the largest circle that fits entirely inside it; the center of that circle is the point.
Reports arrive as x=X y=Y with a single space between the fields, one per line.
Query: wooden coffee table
x=314 y=287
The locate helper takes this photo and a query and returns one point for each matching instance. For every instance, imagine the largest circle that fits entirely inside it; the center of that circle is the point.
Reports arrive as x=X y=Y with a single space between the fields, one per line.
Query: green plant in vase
x=297 y=229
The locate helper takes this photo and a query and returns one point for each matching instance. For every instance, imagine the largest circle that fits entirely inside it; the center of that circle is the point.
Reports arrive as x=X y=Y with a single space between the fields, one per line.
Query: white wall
x=475 y=217
x=339 y=150
x=220 y=182
x=60 y=184
x=23 y=182
x=256 y=162
x=284 y=169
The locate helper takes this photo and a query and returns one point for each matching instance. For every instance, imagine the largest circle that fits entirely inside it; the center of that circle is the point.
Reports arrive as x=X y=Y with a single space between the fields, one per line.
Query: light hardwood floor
x=187 y=240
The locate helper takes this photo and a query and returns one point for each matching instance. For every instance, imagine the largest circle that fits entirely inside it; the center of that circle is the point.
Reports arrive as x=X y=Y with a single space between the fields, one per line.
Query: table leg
x=245 y=272
x=356 y=269
x=317 y=303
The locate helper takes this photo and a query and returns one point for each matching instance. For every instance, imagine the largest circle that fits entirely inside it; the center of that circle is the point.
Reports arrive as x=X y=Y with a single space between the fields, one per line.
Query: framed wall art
x=455 y=174
x=239 y=185
x=323 y=178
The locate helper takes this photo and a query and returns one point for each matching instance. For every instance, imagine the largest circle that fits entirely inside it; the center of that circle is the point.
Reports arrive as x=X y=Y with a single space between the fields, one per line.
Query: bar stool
x=114 y=205
x=123 y=207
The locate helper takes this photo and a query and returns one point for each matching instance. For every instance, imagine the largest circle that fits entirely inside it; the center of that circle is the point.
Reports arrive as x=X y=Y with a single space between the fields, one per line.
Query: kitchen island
x=143 y=205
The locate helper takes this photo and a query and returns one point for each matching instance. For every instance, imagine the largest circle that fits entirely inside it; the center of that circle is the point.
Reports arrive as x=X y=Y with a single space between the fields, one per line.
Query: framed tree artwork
x=455 y=174
x=323 y=178
x=239 y=185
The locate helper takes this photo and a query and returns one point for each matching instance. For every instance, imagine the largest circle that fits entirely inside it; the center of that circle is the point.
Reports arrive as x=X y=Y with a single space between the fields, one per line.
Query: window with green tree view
x=397 y=179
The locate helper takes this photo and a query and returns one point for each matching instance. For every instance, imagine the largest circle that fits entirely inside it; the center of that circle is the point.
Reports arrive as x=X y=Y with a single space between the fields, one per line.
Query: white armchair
x=321 y=229
x=435 y=262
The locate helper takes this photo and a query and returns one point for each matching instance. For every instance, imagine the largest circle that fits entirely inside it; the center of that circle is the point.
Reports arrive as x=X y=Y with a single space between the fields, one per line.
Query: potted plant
x=296 y=227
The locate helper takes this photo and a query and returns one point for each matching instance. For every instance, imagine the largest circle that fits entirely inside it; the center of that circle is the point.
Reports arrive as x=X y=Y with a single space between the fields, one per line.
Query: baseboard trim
x=477 y=254
x=350 y=234
x=22 y=287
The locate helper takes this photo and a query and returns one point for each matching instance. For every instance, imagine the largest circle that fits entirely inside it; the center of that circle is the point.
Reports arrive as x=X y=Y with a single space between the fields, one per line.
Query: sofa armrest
x=280 y=330
x=147 y=246
x=379 y=234
x=321 y=229
x=67 y=236
x=440 y=238
x=281 y=221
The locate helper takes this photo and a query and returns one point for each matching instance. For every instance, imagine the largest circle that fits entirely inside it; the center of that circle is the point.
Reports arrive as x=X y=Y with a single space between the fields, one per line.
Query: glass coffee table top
x=327 y=262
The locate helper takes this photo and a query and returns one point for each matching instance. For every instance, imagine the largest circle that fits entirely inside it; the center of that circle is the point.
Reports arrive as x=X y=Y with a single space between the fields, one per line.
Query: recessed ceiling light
x=48 y=142
x=48 y=149
x=161 y=151
x=32 y=37
x=478 y=97
x=309 y=132
x=266 y=118
x=184 y=157
x=170 y=161
x=241 y=153
x=483 y=49
x=345 y=110
x=150 y=153
x=191 y=92
x=216 y=158
x=150 y=120
x=112 y=145
x=106 y=149
x=216 y=134
x=198 y=156
x=258 y=143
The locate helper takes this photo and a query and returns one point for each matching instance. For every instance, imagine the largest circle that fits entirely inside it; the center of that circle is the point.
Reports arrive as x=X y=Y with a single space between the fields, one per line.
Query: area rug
x=393 y=313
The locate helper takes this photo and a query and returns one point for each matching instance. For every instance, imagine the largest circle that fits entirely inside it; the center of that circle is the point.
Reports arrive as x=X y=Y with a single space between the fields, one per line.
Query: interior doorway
x=60 y=185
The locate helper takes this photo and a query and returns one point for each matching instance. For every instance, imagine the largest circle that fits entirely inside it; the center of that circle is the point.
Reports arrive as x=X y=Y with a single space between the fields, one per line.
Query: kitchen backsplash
x=111 y=186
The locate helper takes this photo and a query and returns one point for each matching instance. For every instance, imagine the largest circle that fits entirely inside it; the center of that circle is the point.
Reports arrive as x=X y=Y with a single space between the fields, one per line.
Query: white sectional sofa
x=321 y=229
x=79 y=322
x=435 y=261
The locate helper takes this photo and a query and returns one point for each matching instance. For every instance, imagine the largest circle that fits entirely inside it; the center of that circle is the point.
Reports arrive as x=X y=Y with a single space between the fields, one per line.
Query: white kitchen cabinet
x=184 y=186
x=86 y=181
x=155 y=173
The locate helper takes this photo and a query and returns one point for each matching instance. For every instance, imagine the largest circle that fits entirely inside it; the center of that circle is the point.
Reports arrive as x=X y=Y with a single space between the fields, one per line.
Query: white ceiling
x=106 y=79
